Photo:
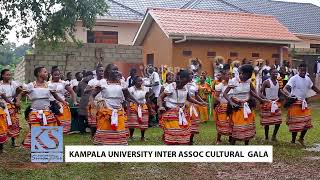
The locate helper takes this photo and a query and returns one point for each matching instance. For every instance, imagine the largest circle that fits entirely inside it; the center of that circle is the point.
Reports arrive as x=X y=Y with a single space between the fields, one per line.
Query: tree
x=10 y=55
x=7 y=53
x=52 y=20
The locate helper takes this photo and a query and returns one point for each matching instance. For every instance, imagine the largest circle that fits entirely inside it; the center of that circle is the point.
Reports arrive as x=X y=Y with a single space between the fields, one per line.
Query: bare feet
x=15 y=145
x=274 y=139
x=301 y=142
x=218 y=142
x=131 y=139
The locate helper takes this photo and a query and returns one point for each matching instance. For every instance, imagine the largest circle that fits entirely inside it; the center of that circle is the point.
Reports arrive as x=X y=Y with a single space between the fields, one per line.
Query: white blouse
x=272 y=92
x=112 y=94
x=300 y=86
x=175 y=97
x=221 y=88
x=59 y=88
x=241 y=90
x=39 y=96
x=9 y=89
x=94 y=83
x=139 y=94
x=192 y=88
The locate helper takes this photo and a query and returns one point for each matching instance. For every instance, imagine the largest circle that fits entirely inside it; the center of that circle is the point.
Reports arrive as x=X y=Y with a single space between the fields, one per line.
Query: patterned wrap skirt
x=65 y=118
x=34 y=121
x=243 y=129
x=298 y=119
x=194 y=118
x=173 y=133
x=203 y=113
x=223 y=124
x=93 y=107
x=14 y=129
x=269 y=118
x=106 y=134
x=3 y=127
x=134 y=121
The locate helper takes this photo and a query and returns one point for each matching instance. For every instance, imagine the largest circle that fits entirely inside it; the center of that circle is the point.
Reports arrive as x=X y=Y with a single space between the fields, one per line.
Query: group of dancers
x=113 y=109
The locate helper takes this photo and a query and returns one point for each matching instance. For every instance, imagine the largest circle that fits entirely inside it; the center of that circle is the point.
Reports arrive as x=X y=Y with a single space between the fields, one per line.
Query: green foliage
x=10 y=55
x=52 y=20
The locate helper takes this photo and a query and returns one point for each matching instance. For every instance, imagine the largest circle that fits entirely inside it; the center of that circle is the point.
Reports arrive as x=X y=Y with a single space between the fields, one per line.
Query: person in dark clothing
x=133 y=73
x=85 y=95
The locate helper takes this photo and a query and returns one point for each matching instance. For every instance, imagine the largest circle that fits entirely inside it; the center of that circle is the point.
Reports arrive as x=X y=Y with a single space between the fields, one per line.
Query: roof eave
x=234 y=39
x=116 y=20
x=307 y=35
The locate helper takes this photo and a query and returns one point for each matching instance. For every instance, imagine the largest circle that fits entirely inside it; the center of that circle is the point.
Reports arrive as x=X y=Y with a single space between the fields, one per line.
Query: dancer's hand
x=234 y=105
x=265 y=101
x=65 y=103
x=161 y=110
x=204 y=104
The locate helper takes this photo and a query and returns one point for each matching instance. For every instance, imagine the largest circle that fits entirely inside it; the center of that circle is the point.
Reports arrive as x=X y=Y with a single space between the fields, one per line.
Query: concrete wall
x=73 y=59
x=306 y=41
x=20 y=70
x=126 y=31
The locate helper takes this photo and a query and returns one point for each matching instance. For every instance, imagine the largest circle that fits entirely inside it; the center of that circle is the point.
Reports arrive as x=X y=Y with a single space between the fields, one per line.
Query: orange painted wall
x=158 y=43
x=200 y=48
x=169 y=53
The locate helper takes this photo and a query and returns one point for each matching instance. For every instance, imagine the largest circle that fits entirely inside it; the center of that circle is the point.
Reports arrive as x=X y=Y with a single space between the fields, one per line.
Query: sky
x=12 y=35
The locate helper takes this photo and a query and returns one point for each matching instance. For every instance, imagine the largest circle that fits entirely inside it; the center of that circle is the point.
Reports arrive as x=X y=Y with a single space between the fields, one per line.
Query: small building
x=174 y=36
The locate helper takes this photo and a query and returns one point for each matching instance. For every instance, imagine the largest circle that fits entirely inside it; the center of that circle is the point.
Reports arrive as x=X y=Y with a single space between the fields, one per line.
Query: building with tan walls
x=173 y=36
x=124 y=17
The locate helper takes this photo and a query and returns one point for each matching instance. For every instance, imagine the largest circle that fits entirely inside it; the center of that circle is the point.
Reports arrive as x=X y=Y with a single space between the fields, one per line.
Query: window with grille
x=211 y=54
x=105 y=37
x=233 y=54
x=275 y=55
x=255 y=55
x=186 y=53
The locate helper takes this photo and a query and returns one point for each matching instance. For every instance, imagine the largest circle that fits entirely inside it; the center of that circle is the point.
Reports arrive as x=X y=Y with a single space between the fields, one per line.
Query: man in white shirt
x=235 y=69
x=156 y=88
x=299 y=115
x=154 y=82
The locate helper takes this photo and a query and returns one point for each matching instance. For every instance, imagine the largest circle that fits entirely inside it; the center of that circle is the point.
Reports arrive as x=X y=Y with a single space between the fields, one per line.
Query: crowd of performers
x=113 y=107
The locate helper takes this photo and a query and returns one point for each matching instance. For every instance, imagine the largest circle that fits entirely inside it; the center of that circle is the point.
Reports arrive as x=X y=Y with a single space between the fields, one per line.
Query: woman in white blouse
x=39 y=113
x=11 y=90
x=61 y=87
x=138 y=116
x=111 y=117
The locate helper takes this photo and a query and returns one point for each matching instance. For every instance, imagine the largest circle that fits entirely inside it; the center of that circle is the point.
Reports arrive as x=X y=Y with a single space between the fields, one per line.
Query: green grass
x=15 y=163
